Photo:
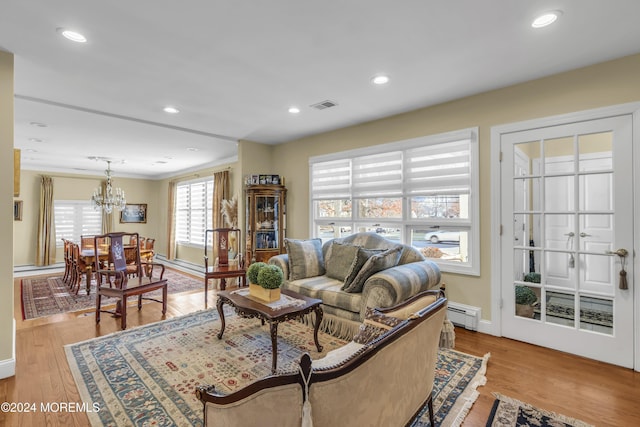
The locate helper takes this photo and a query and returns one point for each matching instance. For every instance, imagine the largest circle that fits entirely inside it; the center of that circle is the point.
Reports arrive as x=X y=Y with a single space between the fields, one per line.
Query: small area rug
x=49 y=295
x=148 y=375
x=509 y=412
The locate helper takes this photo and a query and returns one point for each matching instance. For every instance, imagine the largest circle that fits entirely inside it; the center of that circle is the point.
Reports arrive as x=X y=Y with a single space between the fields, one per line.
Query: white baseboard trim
x=486 y=327
x=185 y=266
x=32 y=270
x=8 y=366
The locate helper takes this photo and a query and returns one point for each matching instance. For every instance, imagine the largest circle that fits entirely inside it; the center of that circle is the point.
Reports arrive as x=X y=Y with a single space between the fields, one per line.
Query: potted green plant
x=265 y=281
x=253 y=270
x=525 y=300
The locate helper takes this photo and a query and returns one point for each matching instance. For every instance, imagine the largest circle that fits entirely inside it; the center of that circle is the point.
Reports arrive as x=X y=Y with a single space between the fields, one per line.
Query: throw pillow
x=375 y=263
x=375 y=325
x=361 y=257
x=305 y=258
x=340 y=260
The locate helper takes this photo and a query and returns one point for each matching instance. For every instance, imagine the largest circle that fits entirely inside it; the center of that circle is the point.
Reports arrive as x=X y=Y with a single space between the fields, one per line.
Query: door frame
x=497 y=131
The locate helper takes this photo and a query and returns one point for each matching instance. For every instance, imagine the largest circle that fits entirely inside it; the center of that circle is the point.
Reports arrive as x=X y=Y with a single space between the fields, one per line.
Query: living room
x=605 y=84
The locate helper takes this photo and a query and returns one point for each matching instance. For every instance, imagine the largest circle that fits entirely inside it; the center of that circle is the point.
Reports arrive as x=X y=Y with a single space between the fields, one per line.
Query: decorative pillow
x=305 y=258
x=361 y=257
x=340 y=260
x=375 y=324
x=375 y=263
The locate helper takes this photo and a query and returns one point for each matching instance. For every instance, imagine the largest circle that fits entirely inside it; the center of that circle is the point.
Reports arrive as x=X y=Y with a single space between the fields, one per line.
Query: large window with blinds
x=194 y=200
x=75 y=218
x=422 y=192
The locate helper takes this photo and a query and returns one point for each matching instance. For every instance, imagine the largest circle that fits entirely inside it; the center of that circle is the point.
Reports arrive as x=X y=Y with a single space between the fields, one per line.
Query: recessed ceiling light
x=38 y=124
x=294 y=110
x=170 y=110
x=380 y=80
x=31 y=150
x=546 y=18
x=193 y=149
x=35 y=140
x=74 y=36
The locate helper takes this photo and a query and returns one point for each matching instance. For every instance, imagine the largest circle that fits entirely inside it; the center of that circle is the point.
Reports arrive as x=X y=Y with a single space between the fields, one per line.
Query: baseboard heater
x=464 y=316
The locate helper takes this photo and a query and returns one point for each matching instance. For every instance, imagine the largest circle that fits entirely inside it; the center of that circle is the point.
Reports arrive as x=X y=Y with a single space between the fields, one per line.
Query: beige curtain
x=107 y=219
x=171 y=222
x=220 y=192
x=46 y=246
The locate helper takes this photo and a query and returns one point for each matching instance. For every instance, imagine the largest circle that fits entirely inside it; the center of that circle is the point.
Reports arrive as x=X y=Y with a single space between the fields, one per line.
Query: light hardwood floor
x=595 y=392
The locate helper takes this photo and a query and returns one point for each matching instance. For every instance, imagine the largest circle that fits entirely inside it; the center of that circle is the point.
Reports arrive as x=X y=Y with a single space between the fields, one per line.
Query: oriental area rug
x=148 y=375
x=509 y=412
x=49 y=295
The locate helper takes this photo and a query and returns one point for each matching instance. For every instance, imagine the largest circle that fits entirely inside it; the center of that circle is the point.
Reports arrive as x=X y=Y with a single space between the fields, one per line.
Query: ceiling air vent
x=324 y=104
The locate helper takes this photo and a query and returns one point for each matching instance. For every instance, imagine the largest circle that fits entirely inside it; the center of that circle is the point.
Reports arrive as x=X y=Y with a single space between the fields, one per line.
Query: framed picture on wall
x=134 y=213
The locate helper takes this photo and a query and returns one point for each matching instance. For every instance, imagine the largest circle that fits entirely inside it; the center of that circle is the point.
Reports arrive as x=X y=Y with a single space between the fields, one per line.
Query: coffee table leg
x=221 y=314
x=274 y=345
x=319 y=314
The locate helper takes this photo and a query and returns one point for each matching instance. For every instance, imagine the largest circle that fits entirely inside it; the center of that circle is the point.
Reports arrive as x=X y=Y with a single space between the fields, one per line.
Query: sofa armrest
x=394 y=285
x=281 y=261
x=254 y=404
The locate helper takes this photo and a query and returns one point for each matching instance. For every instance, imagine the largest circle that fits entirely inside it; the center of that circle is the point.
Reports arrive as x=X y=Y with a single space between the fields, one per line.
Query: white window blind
x=433 y=168
x=74 y=218
x=441 y=169
x=331 y=180
x=194 y=201
x=378 y=175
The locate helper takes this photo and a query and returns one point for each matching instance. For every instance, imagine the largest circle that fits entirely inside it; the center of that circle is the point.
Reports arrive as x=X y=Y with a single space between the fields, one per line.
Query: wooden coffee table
x=251 y=308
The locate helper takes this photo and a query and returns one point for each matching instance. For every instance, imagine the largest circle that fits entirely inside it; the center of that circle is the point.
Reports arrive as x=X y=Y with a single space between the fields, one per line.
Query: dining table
x=88 y=255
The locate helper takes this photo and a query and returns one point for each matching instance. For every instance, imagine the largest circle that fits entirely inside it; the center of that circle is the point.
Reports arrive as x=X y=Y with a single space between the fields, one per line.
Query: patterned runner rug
x=49 y=295
x=148 y=375
x=509 y=412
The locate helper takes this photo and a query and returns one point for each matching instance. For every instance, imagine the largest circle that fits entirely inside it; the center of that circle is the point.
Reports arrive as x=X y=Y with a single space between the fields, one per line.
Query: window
x=74 y=218
x=194 y=200
x=421 y=192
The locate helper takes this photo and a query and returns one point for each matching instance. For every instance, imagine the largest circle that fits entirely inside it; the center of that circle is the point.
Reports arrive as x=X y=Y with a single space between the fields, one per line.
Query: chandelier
x=112 y=197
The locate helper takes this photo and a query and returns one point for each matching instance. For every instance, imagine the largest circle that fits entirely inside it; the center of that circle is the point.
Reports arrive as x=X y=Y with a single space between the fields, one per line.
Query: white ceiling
x=233 y=68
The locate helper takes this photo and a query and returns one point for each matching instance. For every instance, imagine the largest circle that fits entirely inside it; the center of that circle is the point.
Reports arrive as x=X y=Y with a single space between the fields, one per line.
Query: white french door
x=567 y=213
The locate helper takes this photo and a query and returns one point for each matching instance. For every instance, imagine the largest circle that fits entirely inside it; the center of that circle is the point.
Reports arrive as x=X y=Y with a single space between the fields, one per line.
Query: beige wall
x=609 y=83
x=187 y=253
x=77 y=187
x=7 y=362
x=80 y=187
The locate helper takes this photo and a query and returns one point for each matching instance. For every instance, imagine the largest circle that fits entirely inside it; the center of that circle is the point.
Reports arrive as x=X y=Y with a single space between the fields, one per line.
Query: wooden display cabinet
x=266 y=221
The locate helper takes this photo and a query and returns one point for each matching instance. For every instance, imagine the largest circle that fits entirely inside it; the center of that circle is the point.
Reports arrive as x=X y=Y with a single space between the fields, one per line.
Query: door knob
x=620 y=252
x=583 y=234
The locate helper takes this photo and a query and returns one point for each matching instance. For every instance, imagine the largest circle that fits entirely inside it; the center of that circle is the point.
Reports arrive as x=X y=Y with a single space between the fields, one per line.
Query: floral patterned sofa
x=355 y=272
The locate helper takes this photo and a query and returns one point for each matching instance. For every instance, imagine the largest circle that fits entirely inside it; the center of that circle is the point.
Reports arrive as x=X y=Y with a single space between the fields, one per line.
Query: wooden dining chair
x=86 y=242
x=68 y=261
x=223 y=267
x=149 y=243
x=118 y=282
x=80 y=269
